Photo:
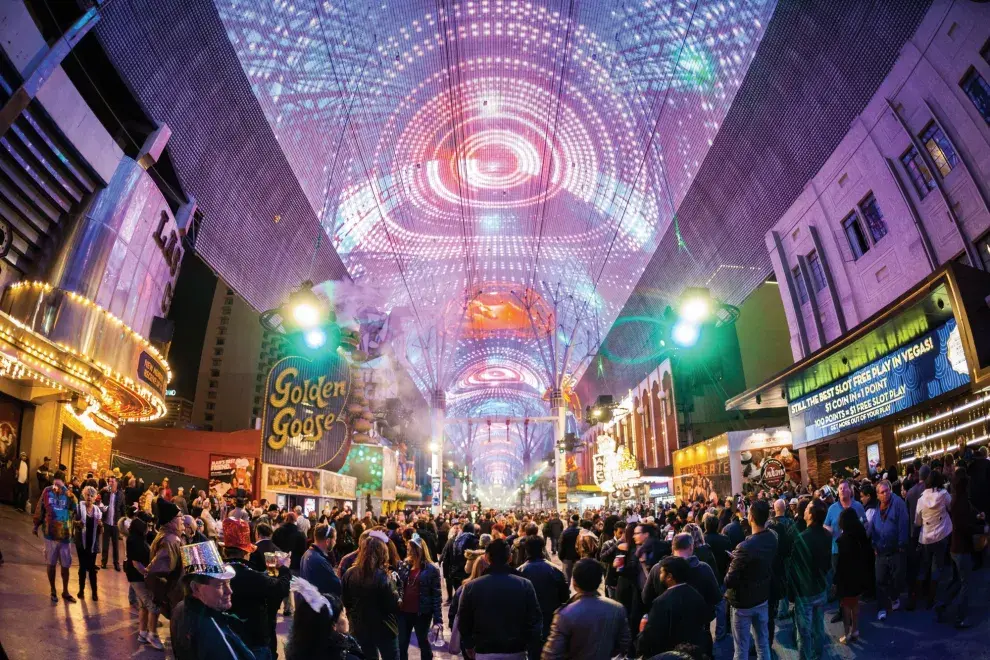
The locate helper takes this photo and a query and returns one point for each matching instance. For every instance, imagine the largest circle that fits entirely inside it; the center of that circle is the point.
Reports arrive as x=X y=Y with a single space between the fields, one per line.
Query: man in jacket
x=548 y=580
x=466 y=540
x=747 y=584
x=607 y=556
x=700 y=576
x=811 y=561
x=200 y=625
x=265 y=544
x=22 y=474
x=253 y=591
x=785 y=529
x=722 y=549
x=552 y=530
x=498 y=612
x=677 y=616
x=315 y=566
x=590 y=627
x=568 y=546
x=889 y=536
x=113 y=499
x=289 y=539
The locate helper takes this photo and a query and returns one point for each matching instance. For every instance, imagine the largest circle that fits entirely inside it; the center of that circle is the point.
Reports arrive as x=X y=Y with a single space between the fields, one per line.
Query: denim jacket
x=889 y=531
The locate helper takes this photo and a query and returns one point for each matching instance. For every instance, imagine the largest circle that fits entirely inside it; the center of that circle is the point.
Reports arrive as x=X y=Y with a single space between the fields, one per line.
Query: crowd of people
x=638 y=582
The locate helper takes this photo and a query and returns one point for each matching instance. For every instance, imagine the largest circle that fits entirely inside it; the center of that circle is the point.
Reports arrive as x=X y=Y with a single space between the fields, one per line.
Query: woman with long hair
x=852 y=575
x=422 y=601
x=89 y=524
x=477 y=570
x=136 y=568
x=627 y=590
x=702 y=550
x=370 y=599
x=936 y=526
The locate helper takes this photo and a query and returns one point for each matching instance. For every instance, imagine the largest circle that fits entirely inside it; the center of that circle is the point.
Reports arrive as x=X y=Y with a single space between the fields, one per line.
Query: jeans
x=889 y=569
x=568 y=569
x=87 y=566
x=375 y=645
x=554 y=540
x=809 y=619
x=721 y=619
x=420 y=623
x=20 y=495
x=958 y=590
x=744 y=622
x=933 y=556
x=110 y=534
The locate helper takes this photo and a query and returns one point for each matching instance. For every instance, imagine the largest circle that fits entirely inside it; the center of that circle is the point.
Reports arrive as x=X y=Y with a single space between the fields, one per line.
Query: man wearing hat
x=44 y=474
x=254 y=592
x=201 y=627
x=21 y=484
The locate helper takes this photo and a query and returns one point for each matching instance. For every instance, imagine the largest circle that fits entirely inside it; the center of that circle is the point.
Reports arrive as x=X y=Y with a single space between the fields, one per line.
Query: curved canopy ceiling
x=480 y=160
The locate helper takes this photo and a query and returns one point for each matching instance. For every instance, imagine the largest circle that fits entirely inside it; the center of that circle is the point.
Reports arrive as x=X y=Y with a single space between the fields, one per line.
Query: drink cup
x=271 y=562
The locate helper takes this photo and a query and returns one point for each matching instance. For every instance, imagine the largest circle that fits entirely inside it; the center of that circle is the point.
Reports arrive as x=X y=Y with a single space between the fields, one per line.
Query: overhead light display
x=472 y=151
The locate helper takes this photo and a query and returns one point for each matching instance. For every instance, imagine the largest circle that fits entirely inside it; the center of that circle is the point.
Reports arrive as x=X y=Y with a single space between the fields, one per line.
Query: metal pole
x=438 y=410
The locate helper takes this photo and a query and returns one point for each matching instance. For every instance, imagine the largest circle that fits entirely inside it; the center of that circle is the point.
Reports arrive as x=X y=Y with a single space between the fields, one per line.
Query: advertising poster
x=339 y=486
x=301 y=424
x=230 y=473
x=292 y=480
x=390 y=467
x=873 y=459
x=702 y=470
x=927 y=367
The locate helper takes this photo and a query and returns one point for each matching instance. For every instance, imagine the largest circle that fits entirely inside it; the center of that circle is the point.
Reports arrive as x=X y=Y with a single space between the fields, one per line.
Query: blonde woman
x=421 y=604
x=89 y=524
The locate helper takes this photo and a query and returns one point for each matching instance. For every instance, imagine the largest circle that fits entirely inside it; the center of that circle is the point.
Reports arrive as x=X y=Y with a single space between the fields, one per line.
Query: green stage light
x=685 y=334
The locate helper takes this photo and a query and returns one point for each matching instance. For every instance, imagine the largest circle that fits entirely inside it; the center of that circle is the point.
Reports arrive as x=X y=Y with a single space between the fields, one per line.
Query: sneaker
x=143 y=637
x=882 y=615
x=54 y=598
x=155 y=642
x=68 y=598
x=896 y=605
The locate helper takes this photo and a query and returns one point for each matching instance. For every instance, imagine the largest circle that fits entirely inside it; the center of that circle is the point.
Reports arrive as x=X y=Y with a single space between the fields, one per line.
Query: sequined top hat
x=204 y=559
x=237 y=534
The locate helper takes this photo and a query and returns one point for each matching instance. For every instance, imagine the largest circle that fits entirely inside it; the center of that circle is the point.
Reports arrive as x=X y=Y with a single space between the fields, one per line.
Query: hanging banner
x=301 y=424
x=228 y=474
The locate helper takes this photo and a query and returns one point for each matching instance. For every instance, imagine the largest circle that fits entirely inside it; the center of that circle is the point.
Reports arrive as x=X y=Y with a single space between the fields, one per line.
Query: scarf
x=94 y=512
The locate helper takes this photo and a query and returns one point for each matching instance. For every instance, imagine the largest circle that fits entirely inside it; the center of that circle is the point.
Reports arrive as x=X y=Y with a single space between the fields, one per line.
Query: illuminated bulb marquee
x=495 y=142
x=64 y=341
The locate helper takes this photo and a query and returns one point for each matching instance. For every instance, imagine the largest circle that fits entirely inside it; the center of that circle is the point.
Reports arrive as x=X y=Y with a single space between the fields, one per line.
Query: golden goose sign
x=301 y=424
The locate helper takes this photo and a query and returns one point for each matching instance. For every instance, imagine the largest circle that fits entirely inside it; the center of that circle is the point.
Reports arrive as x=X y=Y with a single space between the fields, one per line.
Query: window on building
x=802 y=289
x=228 y=300
x=920 y=175
x=873 y=217
x=983 y=247
x=939 y=148
x=208 y=427
x=854 y=234
x=217 y=352
x=225 y=310
x=216 y=363
x=224 y=320
x=978 y=91
x=230 y=292
x=256 y=412
x=210 y=405
x=214 y=373
x=222 y=330
x=208 y=417
x=221 y=341
x=214 y=383
x=211 y=394
x=816 y=271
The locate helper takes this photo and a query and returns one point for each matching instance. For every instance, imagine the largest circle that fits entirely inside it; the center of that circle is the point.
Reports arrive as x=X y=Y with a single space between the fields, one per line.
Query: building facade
x=907 y=190
x=882 y=265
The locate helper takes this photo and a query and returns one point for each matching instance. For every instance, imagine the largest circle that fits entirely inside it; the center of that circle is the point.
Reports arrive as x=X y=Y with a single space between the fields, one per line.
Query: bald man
x=786 y=530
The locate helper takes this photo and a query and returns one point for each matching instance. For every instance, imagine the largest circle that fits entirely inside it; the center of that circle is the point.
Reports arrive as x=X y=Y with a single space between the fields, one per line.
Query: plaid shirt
x=55 y=512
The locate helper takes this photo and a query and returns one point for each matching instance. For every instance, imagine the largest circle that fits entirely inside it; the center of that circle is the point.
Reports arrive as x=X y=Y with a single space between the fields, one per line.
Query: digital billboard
x=930 y=365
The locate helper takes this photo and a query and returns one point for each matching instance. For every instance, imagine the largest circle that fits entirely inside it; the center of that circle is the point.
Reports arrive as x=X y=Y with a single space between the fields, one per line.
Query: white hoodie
x=933 y=516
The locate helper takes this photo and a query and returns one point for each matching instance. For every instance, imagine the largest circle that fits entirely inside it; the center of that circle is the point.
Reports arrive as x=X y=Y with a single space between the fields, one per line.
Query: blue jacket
x=889 y=532
x=315 y=568
x=430 y=596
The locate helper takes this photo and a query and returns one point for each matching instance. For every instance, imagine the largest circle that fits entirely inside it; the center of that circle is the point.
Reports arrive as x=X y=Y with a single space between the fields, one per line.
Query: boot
x=913 y=592
x=82 y=586
x=930 y=589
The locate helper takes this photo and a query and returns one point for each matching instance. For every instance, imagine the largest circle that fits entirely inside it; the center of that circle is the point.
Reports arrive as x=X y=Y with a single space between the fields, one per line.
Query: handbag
x=436 y=637
x=455 y=636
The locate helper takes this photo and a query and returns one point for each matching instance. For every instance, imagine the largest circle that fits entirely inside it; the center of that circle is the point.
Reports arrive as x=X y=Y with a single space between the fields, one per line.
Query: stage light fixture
x=685 y=334
x=315 y=338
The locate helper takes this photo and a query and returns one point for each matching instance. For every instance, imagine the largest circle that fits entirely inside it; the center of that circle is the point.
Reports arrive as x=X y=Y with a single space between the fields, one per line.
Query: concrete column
x=438 y=414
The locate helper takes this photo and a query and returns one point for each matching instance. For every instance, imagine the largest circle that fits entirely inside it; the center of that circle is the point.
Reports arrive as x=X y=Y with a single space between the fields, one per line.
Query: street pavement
x=31 y=627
